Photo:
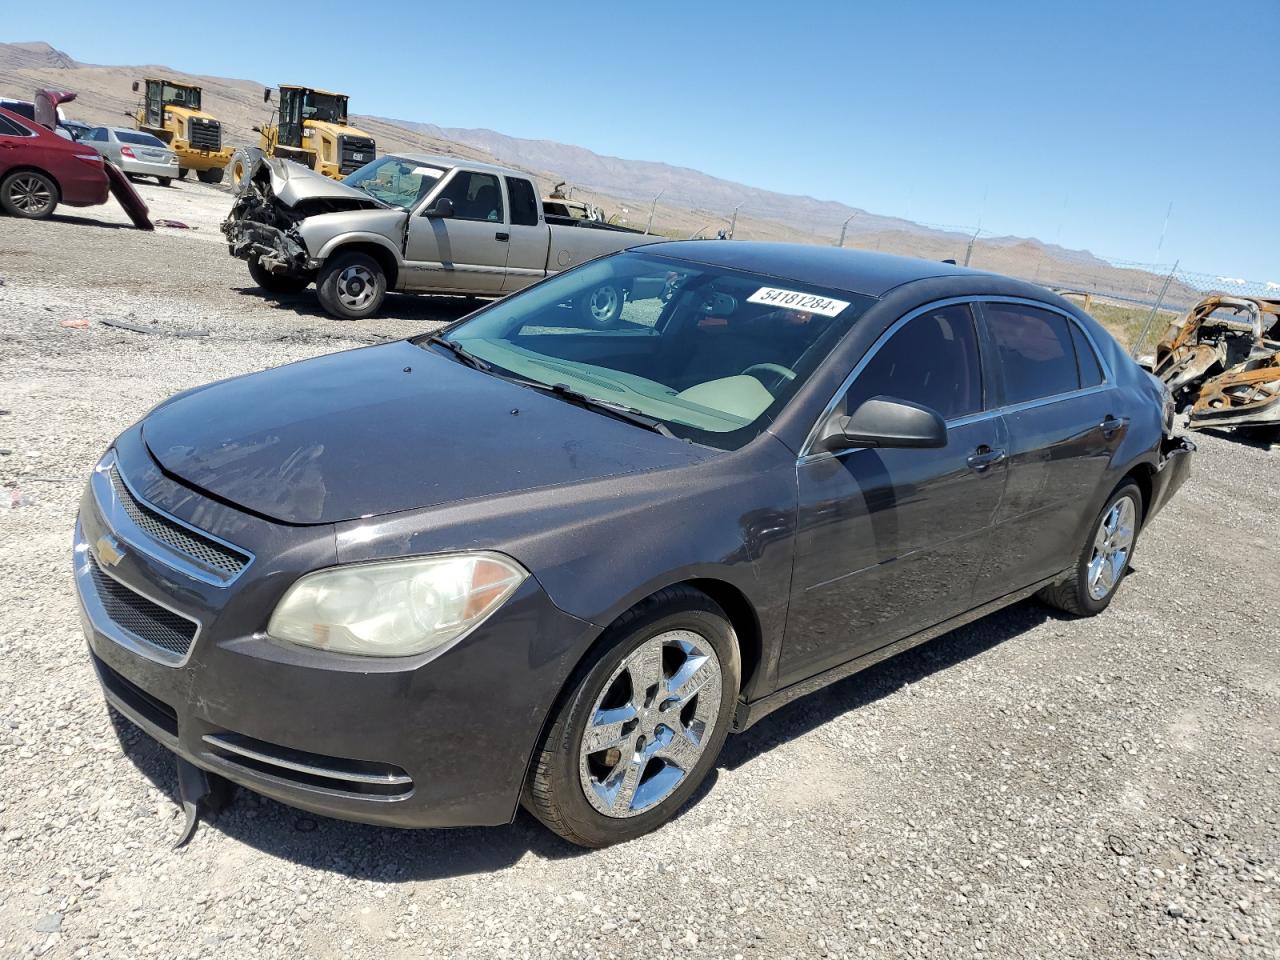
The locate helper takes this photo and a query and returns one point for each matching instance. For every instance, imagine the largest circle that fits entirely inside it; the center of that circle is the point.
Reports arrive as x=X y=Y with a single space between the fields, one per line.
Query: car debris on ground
x=1222 y=362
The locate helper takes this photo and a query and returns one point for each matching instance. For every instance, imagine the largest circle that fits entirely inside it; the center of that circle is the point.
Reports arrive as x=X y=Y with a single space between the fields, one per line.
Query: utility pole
x=652 y=207
x=733 y=223
x=1146 y=327
x=844 y=229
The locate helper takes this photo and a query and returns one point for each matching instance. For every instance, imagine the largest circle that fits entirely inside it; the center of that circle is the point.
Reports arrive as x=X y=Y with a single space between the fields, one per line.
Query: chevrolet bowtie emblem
x=108 y=550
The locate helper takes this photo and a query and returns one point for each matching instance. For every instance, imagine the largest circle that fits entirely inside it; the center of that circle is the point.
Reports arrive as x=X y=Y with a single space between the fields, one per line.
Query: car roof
x=440 y=160
x=857 y=271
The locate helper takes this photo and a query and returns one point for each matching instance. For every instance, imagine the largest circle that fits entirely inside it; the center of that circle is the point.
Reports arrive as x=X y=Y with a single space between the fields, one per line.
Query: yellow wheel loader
x=310 y=127
x=171 y=111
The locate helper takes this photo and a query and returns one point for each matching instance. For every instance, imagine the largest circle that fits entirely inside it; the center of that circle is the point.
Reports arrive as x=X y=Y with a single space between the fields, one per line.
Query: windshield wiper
x=618 y=411
x=462 y=353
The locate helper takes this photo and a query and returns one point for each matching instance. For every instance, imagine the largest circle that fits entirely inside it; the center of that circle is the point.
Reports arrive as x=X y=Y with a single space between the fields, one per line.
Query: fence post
x=1146 y=328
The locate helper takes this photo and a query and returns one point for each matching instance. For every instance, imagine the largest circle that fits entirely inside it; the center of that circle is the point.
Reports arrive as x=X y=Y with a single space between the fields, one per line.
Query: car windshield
x=140 y=139
x=710 y=353
x=325 y=107
x=181 y=96
x=395 y=180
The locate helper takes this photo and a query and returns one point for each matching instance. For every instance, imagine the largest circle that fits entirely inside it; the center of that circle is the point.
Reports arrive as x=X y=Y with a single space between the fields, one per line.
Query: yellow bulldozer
x=172 y=111
x=309 y=127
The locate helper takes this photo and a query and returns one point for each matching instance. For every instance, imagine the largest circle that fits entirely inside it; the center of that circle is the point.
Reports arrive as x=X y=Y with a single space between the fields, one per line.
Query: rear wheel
x=28 y=194
x=275 y=282
x=212 y=175
x=601 y=307
x=642 y=724
x=352 y=286
x=1104 y=558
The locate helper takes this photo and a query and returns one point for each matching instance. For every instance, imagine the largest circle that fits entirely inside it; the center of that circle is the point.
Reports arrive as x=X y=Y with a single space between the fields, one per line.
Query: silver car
x=138 y=154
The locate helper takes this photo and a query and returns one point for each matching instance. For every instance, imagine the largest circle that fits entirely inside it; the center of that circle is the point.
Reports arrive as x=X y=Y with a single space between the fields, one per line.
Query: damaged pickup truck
x=411 y=223
x=1223 y=362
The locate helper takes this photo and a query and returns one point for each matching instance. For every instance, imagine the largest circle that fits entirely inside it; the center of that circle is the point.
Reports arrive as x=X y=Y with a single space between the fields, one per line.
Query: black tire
x=1073 y=594
x=164 y=181
x=212 y=175
x=183 y=171
x=601 y=307
x=241 y=166
x=351 y=286
x=275 y=282
x=556 y=793
x=28 y=194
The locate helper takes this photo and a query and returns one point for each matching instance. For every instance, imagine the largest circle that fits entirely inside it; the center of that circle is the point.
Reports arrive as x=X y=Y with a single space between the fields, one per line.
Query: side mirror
x=266 y=95
x=886 y=422
x=135 y=86
x=441 y=208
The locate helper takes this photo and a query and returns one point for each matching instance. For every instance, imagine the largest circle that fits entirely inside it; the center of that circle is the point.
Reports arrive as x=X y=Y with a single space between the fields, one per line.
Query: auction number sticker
x=795 y=300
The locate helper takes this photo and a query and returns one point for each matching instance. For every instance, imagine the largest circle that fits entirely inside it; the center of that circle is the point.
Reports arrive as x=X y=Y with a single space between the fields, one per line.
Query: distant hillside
x=692 y=202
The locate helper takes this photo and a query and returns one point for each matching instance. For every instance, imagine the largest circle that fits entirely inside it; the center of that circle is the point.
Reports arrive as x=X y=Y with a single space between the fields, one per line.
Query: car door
x=15 y=145
x=1064 y=420
x=528 y=237
x=467 y=251
x=891 y=541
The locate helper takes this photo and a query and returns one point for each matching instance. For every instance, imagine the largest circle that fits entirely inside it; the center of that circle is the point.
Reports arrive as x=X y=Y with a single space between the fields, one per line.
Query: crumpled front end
x=1222 y=362
x=274 y=200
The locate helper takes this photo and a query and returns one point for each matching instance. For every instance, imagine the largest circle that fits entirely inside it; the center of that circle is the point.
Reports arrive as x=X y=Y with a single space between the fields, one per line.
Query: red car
x=39 y=170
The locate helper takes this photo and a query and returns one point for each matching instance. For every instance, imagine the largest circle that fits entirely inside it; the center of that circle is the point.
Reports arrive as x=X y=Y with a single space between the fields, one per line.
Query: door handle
x=1112 y=425
x=502 y=237
x=983 y=458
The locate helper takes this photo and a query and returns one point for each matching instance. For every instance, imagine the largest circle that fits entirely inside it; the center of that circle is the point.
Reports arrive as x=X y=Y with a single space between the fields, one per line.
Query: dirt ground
x=1028 y=786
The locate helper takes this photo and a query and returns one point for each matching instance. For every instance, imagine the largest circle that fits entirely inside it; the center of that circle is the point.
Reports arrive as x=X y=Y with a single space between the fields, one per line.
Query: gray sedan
x=138 y=154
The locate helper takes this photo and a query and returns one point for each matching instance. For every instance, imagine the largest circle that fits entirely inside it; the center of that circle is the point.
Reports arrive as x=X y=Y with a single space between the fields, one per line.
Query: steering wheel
x=784 y=374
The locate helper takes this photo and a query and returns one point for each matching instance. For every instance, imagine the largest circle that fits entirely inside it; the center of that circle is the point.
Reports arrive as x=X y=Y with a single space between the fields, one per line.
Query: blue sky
x=1074 y=122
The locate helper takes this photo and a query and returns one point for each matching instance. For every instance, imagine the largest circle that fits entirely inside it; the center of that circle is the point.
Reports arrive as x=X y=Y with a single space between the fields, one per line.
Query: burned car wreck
x=1222 y=363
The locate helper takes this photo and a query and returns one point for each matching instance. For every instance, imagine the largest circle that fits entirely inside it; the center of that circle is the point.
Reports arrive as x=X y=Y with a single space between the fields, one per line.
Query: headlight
x=396 y=608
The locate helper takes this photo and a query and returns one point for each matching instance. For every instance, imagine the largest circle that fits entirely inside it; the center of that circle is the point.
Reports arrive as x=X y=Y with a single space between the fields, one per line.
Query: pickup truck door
x=529 y=236
x=464 y=253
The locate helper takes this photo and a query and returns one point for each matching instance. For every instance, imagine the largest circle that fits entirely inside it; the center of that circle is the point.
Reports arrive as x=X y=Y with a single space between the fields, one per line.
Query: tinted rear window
x=1036 y=355
x=141 y=139
x=524 y=202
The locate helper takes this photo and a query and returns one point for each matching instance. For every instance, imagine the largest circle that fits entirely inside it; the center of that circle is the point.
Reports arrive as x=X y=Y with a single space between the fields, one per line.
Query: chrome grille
x=144 y=619
x=204 y=550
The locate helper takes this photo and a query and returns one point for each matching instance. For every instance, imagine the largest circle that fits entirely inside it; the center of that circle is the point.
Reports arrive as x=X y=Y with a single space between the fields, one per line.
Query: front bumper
x=437 y=740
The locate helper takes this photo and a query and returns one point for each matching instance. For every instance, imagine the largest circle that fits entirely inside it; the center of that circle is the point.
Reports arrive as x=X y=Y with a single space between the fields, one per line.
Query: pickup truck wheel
x=28 y=194
x=275 y=282
x=642 y=724
x=212 y=175
x=601 y=307
x=352 y=286
x=1104 y=559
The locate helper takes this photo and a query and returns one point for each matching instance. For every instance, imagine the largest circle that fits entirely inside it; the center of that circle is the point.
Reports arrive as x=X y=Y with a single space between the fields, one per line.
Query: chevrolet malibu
x=531 y=560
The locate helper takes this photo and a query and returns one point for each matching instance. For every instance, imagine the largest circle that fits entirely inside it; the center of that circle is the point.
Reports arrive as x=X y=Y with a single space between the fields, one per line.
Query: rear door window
x=8 y=128
x=1037 y=358
x=932 y=360
x=524 y=202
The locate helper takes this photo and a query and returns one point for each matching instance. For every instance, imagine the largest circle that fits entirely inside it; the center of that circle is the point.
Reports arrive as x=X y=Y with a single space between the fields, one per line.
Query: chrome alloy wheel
x=650 y=724
x=30 y=194
x=356 y=287
x=604 y=304
x=1112 y=545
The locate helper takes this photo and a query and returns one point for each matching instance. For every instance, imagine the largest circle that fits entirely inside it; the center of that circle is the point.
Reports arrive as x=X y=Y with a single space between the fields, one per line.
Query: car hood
x=384 y=429
x=293 y=183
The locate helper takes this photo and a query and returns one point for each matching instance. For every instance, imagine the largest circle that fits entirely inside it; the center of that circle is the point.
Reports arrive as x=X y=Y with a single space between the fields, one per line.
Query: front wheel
x=1104 y=559
x=164 y=181
x=275 y=282
x=352 y=286
x=212 y=175
x=642 y=724
x=28 y=194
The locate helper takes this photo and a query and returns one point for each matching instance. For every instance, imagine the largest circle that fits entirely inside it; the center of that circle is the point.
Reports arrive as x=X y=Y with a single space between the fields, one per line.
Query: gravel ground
x=1029 y=786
